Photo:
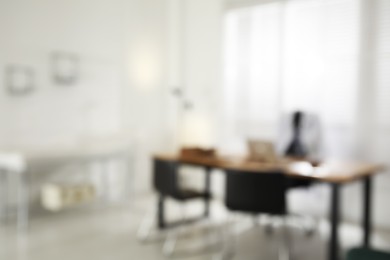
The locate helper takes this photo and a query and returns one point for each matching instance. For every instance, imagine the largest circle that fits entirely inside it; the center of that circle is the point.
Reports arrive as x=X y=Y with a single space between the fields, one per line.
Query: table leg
x=367 y=193
x=105 y=180
x=4 y=199
x=208 y=191
x=23 y=200
x=161 y=212
x=4 y=195
x=334 y=223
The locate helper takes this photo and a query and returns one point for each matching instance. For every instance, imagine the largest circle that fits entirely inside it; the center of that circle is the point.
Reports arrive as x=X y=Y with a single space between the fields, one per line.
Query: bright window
x=282 y=56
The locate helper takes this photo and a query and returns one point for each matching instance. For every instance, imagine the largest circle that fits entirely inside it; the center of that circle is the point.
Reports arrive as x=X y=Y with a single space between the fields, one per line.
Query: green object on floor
x=367 y=254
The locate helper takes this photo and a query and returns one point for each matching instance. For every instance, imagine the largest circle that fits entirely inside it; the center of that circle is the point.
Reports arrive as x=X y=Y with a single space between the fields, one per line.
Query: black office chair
x=166 y=183
x=297 y=149
x=257 y=193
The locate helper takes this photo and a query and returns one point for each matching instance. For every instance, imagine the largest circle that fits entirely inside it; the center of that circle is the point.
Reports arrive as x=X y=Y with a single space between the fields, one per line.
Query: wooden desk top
x=328 y=171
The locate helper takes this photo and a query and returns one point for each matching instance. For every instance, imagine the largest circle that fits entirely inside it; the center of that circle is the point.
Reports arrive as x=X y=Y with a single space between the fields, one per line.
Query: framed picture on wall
x=19 y=79
x=65 y=68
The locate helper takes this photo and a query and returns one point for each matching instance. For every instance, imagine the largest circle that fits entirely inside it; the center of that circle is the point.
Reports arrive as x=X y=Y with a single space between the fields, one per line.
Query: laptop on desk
x=261 y=151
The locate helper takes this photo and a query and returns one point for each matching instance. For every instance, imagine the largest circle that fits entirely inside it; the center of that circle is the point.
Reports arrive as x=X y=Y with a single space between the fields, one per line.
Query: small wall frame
x=19 y=80
x=65 y=68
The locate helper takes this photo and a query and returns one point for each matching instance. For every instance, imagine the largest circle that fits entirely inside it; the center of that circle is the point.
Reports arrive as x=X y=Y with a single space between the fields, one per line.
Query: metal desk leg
x=23 y=199
x=208 y=191
x=105 y=180
x=367 y=194
x=161 y=212
x=334 y=223
x=4 y=195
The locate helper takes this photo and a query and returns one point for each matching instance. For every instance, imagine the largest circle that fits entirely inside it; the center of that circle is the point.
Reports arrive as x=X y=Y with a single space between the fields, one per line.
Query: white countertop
x=17 y=159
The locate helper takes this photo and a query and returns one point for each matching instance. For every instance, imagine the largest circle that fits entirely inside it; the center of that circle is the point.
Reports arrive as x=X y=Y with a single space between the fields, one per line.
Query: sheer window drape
x=282 y=56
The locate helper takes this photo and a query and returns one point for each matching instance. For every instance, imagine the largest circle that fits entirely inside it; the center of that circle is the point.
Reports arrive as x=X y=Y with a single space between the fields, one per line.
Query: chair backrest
x=165 y=177
x=256 y=192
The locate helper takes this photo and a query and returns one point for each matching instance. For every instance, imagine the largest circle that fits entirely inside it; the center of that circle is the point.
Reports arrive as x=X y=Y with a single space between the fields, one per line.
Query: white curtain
x=282 y=56
x=379 y=60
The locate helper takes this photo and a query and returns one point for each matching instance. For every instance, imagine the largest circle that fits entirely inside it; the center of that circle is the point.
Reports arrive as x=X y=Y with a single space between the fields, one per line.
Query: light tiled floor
x=110 y=233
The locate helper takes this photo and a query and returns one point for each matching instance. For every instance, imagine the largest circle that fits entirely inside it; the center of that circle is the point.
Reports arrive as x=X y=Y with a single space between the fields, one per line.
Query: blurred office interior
x=194 y=129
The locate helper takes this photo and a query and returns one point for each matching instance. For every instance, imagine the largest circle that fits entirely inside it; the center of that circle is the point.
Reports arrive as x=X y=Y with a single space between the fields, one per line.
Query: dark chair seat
x=190 y=194
x=294 y=183
x=255 y=194
x=367 y=254
x=166 y=182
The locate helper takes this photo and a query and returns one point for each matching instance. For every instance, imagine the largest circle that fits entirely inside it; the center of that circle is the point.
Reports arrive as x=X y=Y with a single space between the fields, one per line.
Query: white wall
x=194 y=59
x=202 y=62
x=55 y=114
x=195 y=65
x=145 y=90
x=121 y=89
